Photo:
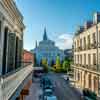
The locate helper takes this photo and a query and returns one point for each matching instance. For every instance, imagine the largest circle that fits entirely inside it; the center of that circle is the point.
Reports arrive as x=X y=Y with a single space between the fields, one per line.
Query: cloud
x=64 y=41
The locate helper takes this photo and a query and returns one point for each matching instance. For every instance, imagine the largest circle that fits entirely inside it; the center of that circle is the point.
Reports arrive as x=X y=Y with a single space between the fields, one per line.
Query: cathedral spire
x=45 y=34
x=36 y=44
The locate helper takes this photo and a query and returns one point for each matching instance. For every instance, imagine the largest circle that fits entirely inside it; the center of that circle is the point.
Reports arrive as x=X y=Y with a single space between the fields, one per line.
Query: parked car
x=66 y=77
x=45 y=83
x=48 y=95
x=51 y=97
x=48 y=92
x=48 y=85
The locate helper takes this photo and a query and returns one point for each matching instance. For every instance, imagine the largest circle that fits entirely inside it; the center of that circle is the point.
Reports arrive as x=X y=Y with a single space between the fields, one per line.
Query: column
x=87 y=81
x=96 y=84
x=92 y=78
x=1 y=42
x=83 y=79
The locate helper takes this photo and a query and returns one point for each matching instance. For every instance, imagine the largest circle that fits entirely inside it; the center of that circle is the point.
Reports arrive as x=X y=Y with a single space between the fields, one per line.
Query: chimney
x=80 y=29
x=96 y=18
x=88 y=24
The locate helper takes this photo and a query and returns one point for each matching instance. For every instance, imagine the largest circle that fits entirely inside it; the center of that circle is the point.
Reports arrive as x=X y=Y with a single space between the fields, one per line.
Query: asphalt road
x=63 y=90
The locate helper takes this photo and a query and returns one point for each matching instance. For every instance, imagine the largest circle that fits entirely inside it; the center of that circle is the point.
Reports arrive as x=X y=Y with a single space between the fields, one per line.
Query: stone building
x=87 y=55
x=14 y=77
x=47 y=49
x=11 y=36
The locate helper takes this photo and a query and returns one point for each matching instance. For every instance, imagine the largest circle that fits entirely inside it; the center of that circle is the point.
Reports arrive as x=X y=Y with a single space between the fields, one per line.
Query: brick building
x=28 y=57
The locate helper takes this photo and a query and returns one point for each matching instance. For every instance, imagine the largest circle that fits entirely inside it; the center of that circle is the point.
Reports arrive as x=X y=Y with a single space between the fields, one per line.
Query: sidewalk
x=35 y=90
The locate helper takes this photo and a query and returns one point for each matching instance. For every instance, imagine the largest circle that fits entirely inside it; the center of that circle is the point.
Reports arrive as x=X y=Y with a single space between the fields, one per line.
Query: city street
x=35 y=91
x=62 y=90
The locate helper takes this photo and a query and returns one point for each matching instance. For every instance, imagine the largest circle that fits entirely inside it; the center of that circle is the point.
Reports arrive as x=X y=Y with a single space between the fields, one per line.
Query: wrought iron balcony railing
x=88 y=67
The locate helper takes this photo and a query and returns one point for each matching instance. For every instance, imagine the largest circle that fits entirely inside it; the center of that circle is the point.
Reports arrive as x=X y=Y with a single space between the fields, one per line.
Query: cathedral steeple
x=45 y=35
x=36 y=44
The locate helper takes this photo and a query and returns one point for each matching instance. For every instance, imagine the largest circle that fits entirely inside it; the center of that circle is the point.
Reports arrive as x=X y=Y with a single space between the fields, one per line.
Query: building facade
x=47 y=49
x=68 y=53
x=28 y=57
x=13 y=75
x=11 y=36
x=87 y=55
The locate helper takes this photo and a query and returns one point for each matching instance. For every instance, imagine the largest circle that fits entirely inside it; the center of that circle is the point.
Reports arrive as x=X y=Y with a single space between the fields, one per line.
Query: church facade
x=47 y=49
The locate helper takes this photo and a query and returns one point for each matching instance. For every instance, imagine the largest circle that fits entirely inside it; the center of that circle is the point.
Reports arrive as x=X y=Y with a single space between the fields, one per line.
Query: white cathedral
x=47 y=49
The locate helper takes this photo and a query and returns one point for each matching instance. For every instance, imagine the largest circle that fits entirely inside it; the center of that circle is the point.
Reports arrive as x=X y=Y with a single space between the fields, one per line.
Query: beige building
x=11 y=36
x=15 y=79
x=87 y=55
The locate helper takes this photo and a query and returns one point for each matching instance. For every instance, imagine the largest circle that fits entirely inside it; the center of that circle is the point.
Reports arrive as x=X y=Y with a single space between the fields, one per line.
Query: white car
x=66 y=77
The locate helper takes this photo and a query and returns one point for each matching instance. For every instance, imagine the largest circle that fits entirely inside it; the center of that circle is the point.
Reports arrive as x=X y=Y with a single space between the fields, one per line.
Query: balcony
x=78 y=49
x=93 y=45
x=12 y=84
x=92 y=68
x=88 y=47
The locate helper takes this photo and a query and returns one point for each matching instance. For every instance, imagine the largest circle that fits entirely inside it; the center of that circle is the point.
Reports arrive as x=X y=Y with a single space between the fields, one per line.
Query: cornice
x=13 y=12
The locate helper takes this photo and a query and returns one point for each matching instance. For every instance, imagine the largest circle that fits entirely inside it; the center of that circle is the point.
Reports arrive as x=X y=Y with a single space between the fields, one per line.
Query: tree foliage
x=45 y=64
x=58 y=64
x=66 y=65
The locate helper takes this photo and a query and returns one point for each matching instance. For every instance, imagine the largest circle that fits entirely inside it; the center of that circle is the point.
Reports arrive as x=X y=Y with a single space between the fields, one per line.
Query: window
x=94 y=59
x=94 y=38
x=80 y=42
x=89 y=59
x=89 y=84
x=84 y=59
x=84 y=42
x=88 y=40
x=80 y=59
x=4 y=49
x=78 y=74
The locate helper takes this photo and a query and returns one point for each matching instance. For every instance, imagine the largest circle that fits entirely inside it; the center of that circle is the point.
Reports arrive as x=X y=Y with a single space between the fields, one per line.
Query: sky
x=60 y=17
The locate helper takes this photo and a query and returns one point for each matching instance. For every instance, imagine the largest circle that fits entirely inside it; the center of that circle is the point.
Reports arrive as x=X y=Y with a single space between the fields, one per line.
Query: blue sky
x=60 y=17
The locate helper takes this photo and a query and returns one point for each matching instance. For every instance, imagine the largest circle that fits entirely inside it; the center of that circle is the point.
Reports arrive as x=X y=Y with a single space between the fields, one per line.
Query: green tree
x=66 y=65
x=58 y=64
x=45 y=64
